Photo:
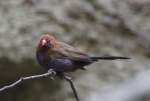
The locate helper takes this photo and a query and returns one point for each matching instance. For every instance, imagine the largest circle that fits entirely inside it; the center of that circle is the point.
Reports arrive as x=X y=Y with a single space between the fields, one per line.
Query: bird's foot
x=53 y=74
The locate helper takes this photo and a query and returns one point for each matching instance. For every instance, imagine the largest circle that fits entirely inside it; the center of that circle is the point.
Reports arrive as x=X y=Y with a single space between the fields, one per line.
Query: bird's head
x=47 y=42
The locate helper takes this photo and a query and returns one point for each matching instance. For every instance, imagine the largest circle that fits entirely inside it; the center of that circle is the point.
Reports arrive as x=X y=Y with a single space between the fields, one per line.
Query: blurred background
x=98 y=27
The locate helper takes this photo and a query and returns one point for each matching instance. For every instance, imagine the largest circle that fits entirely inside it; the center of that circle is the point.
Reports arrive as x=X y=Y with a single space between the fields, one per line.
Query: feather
x=70 y=52
x=108 y=58
x=62 y=57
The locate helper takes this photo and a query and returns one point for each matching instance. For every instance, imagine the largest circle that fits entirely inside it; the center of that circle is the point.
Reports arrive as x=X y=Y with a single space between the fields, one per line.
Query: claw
x=53 y=74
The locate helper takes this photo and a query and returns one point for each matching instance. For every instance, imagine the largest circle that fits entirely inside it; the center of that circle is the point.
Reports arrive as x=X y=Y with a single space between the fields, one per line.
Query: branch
x=50 y=72
x=67 y=78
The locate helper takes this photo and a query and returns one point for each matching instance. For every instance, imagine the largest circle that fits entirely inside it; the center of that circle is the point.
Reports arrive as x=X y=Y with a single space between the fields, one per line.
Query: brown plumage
x=61 y=57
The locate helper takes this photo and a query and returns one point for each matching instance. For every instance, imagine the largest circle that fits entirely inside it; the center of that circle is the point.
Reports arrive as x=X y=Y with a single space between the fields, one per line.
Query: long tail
x=108 y=58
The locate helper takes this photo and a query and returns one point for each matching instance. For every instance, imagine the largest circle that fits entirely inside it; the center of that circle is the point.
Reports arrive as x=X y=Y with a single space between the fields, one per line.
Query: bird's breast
x=42 y=59
x=57 y=64
x=61 y=65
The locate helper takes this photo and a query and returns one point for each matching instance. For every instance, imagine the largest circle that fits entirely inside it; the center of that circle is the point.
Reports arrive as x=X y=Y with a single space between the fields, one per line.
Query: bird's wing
x=70 y=52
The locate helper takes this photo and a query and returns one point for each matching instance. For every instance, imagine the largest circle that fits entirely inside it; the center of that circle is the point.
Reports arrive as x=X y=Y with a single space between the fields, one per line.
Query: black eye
x=49 y=45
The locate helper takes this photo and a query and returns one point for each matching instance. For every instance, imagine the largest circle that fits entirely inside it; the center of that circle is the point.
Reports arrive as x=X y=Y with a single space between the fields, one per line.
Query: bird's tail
x=108 y=58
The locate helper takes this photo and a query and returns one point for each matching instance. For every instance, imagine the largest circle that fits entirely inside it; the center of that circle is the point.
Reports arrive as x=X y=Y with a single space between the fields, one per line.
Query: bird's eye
x=49 y=45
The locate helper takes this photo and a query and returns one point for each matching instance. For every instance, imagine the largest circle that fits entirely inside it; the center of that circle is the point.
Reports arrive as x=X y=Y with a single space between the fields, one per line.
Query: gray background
x=98 y=27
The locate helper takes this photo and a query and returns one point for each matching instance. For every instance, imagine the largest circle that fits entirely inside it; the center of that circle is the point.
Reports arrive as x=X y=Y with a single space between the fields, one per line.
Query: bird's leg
x=67 y=78
x=53 y=74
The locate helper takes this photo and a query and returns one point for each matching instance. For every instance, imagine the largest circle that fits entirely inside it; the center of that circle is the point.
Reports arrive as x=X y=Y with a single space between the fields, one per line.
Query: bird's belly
x=61 y=65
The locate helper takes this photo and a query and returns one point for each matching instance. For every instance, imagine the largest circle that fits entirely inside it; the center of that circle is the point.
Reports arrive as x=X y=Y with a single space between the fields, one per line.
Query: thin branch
x=50 y=72
x=67 y=78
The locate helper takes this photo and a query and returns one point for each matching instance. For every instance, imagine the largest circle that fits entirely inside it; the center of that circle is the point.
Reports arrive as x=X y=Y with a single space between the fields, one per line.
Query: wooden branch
x=50 y=72
x=67 y=78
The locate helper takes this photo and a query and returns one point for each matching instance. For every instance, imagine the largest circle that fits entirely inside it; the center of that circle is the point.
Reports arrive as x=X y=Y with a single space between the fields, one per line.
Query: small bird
x=61 y=57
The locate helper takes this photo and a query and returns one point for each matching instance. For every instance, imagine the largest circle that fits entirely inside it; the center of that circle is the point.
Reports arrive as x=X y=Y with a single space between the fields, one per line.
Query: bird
x=62 y=57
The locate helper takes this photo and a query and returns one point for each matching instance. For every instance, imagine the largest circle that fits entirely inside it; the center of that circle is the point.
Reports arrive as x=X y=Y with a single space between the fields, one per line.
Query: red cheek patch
x=43 y=42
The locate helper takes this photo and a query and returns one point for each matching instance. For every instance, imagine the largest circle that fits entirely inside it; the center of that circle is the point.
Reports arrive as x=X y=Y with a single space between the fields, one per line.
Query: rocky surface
x=99 y=27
